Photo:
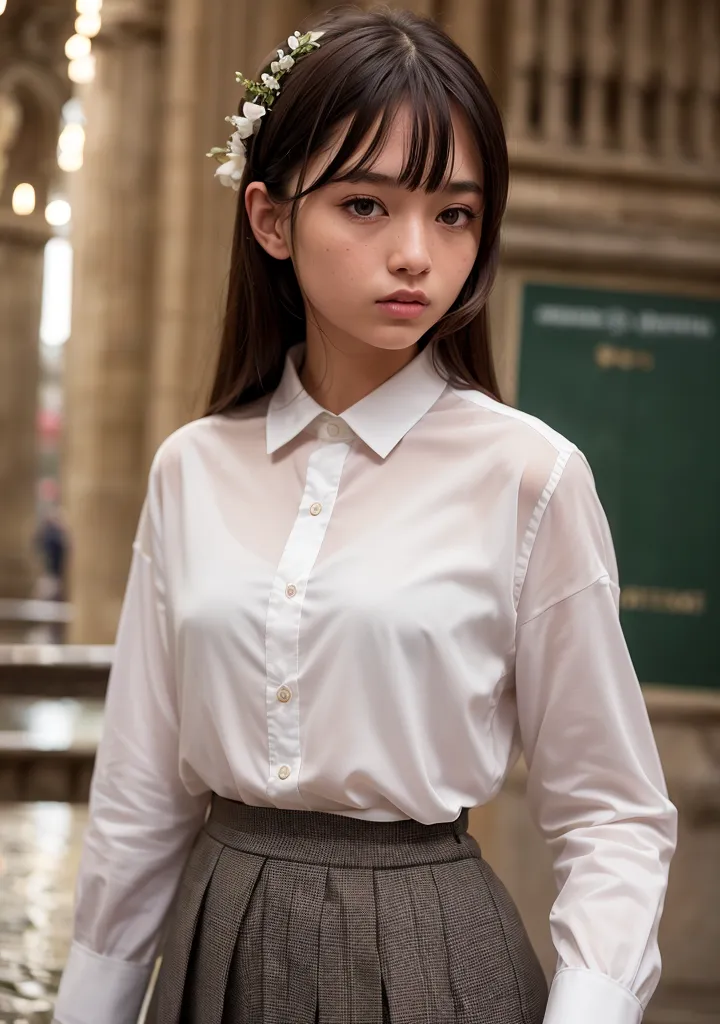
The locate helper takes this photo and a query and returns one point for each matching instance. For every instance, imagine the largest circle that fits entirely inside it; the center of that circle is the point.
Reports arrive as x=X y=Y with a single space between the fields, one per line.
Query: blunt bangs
x=430 y=148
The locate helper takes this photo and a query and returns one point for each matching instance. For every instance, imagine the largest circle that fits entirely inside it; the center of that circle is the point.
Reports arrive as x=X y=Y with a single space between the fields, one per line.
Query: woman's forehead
x=391 y=156
x=464 y=157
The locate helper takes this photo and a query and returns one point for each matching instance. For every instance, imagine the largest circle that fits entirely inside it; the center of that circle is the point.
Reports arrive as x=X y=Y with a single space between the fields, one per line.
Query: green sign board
x=634 y=380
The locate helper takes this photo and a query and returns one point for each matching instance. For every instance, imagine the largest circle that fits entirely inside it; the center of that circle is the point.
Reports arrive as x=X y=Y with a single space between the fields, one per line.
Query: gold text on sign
x=663 y=599
x=613 y=357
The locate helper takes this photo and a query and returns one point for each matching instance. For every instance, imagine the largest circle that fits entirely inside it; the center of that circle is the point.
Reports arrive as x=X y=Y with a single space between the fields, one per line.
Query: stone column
x=31 y=97
x=108 y=354
x=22 y=240
x=207 y=44
x=477 y=27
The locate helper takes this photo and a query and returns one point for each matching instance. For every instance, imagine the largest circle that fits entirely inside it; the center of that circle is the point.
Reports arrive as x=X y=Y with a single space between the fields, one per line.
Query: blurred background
x=114 y=248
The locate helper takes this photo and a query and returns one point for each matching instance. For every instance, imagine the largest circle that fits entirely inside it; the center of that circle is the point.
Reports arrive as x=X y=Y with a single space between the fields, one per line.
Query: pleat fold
x=494 y=973
x=349 y=983
x=293 y=905
x=226 y=902
x=244 y=998
x=166 y=1004
x=413 y=958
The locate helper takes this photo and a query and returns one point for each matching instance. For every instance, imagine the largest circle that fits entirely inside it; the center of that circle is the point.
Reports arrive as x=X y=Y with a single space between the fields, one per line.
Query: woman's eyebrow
x=376 y=178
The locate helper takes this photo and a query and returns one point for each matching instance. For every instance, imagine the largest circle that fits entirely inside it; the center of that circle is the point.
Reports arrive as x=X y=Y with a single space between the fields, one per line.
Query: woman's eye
x=364 y=208
x=455 y=217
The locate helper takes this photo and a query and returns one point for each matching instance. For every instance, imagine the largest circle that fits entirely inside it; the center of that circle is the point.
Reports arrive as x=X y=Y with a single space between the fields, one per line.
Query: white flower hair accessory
x=233 y=156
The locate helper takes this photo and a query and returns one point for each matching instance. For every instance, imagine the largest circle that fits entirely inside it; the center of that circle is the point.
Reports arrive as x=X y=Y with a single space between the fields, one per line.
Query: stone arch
x=30 y=109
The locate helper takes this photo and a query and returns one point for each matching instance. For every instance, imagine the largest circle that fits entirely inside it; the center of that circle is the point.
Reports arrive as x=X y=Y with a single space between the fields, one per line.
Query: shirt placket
x=282 y=633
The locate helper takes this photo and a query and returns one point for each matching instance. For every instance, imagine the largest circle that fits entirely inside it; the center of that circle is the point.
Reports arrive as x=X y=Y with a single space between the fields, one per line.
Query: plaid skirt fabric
x=299 y=917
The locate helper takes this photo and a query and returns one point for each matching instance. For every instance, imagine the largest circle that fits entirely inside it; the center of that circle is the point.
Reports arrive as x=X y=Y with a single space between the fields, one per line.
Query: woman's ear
x=267 y=220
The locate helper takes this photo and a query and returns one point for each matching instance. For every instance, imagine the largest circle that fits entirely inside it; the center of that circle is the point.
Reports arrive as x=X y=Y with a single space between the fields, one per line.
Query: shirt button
x=315 y=508
x=284 y=694
x=290 y=590
x=283 y=772
x=333 y=429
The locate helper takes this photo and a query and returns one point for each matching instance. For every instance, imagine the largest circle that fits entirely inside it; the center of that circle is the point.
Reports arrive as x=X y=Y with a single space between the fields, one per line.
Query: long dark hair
x=369 y=64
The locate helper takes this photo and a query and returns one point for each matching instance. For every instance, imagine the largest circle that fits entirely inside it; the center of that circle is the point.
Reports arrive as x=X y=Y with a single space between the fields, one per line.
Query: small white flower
x=230 y=173
x=253 y=112
x=234 y=157
x=250 y=122
x=244 y=128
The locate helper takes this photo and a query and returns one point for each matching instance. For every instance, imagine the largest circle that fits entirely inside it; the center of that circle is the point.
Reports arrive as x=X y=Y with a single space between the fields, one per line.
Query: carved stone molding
x=32 y=231
x=594 y=249
x=35 y=30
x=33 y=80
x=128 y=20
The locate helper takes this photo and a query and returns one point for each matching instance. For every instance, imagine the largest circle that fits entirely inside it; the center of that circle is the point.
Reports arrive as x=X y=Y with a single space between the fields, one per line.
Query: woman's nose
x=411 y=251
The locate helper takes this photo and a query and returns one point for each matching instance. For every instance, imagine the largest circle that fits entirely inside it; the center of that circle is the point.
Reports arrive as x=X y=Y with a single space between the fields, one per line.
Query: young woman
x=361 y=585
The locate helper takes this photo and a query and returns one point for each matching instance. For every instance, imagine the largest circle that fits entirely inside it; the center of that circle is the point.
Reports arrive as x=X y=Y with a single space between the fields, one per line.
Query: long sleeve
x=595 y=787
x=142 y=816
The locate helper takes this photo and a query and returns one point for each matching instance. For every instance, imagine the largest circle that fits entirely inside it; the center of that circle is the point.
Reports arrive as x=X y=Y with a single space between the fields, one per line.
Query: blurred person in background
x=361 y=586
x=52 y=543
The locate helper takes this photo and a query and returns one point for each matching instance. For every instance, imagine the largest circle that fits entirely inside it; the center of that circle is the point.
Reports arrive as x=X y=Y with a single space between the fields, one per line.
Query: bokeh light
x=88 y=25
x=77 y=46
x=82 y=69
x=58 y=213
x=23 y=199
x=70 y=147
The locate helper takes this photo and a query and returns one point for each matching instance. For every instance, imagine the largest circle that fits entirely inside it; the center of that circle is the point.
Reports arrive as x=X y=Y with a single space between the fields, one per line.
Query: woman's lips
x=400 y=309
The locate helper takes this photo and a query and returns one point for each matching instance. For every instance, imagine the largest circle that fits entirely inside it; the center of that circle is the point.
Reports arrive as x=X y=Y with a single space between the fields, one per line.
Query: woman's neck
x=339 y=376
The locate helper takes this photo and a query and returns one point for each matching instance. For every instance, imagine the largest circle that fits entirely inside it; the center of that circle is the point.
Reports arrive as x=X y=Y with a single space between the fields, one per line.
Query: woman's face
x=380 y=264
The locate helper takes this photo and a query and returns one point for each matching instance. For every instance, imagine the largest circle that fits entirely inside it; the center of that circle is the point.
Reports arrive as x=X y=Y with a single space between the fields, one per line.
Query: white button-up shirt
x=372 y=615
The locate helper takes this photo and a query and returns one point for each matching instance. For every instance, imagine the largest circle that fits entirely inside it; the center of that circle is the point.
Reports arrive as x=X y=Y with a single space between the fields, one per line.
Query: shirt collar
x=381 y=419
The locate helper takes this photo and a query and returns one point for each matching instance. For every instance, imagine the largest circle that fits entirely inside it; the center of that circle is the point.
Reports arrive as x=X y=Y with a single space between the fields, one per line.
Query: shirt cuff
x=98 y=988
x=581 y=995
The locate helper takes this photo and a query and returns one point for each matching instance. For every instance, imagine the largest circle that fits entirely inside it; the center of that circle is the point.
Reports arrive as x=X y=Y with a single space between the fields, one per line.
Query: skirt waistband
x=316 y=837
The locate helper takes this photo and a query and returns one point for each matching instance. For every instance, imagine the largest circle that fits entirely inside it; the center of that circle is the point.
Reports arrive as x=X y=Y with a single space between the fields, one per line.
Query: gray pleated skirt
x=299 y=917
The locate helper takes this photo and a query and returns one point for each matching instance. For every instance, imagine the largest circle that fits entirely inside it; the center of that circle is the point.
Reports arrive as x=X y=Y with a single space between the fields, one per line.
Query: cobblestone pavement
x=39 y=852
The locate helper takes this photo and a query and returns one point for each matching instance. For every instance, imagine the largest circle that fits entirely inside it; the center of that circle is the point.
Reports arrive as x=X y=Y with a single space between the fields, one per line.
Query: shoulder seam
x=482 y=401
x=534 y=524
x=183 y=429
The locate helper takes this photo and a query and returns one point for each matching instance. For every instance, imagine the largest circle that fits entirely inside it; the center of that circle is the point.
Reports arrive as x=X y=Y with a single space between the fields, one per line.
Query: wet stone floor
x=39 y=854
